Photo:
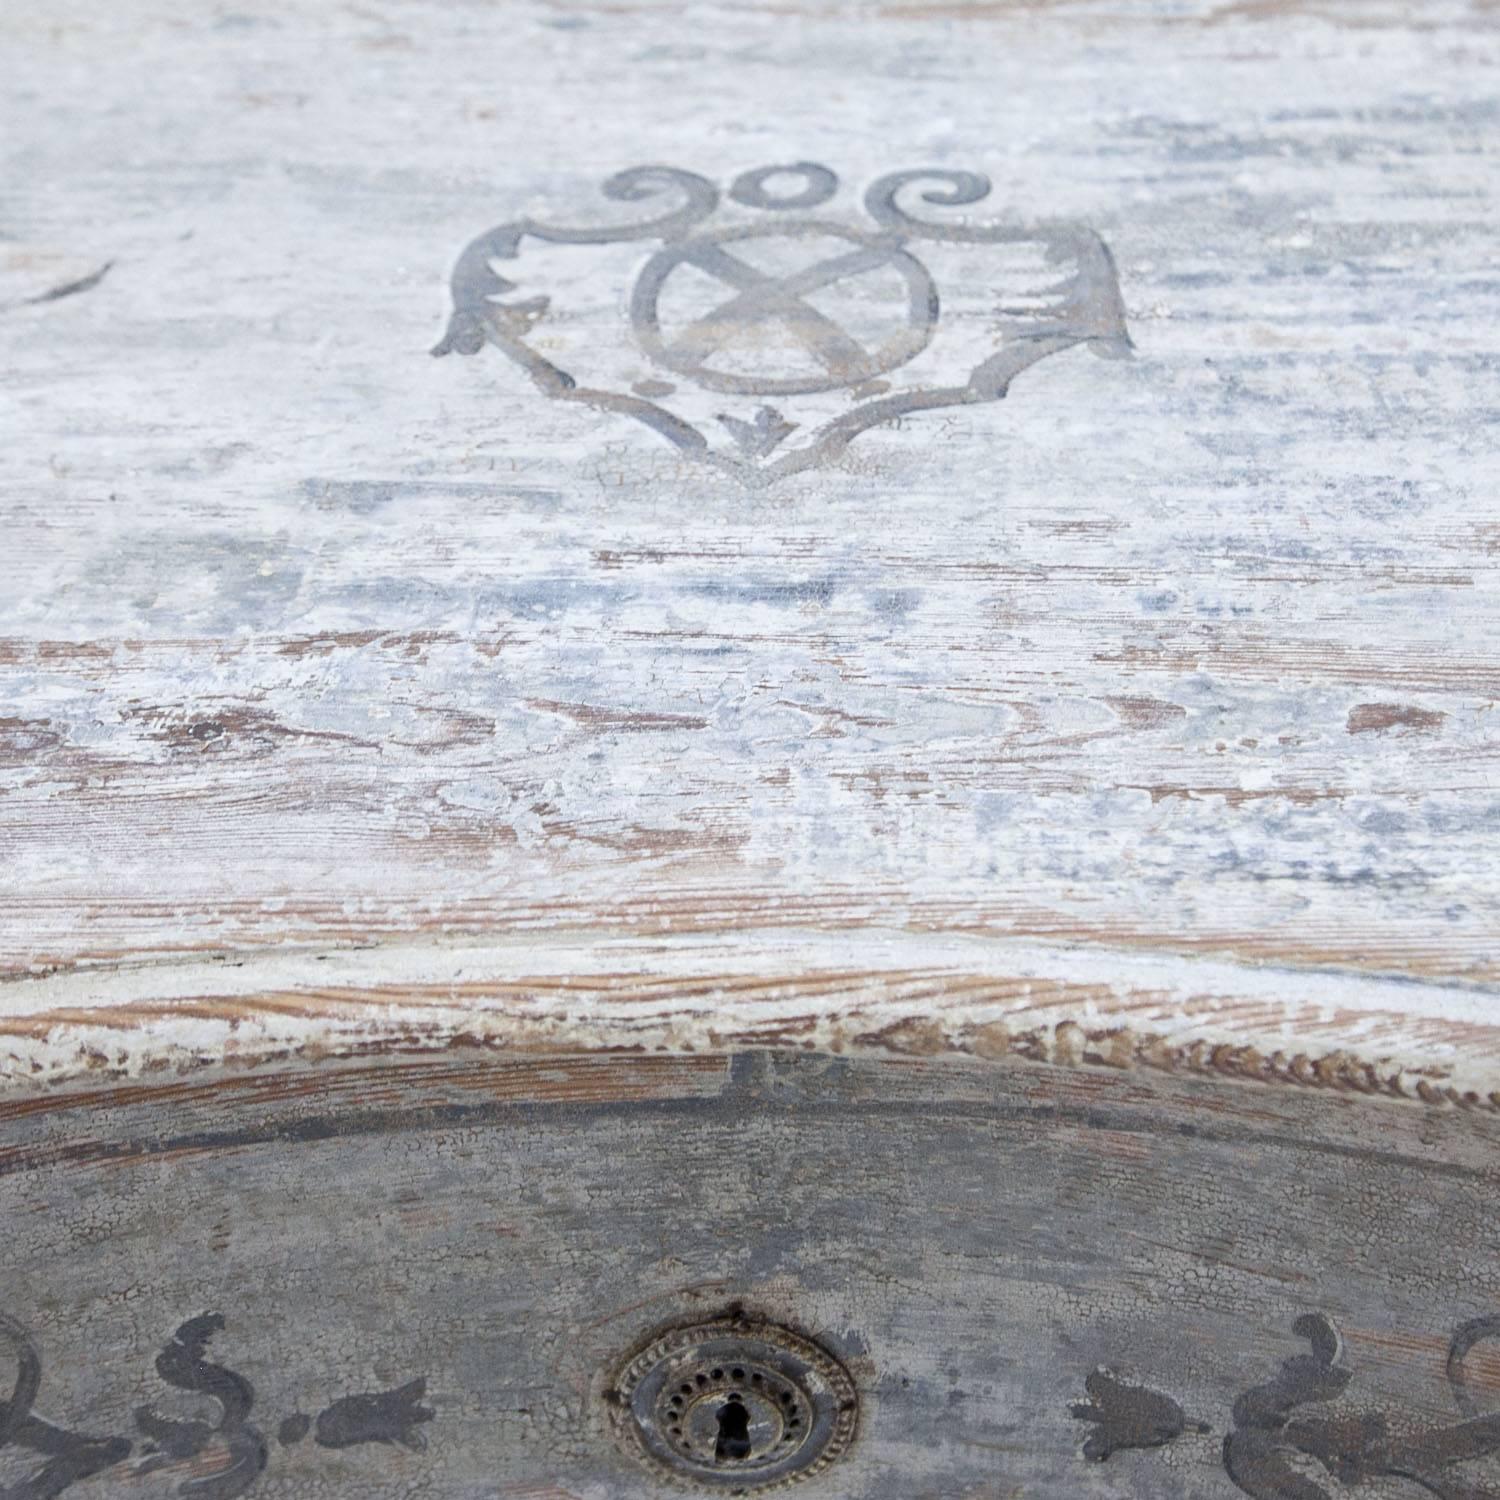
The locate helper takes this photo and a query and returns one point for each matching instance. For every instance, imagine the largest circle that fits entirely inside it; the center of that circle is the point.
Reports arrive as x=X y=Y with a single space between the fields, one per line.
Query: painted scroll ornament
x=762 y=336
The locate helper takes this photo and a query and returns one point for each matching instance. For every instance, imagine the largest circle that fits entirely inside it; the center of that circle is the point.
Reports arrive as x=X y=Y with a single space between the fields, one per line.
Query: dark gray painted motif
x=72 y=288
x=207 y=1460
x=816 y=186
x=898 y=303
x=1128 y=1416
x=184 y=1365
x=1269 y=1446
x=377 y=1417
x=65 y=1456
x=759 y=298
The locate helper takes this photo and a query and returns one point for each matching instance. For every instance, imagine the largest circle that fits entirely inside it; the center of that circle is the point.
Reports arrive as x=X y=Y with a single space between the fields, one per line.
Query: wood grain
x=354 y=699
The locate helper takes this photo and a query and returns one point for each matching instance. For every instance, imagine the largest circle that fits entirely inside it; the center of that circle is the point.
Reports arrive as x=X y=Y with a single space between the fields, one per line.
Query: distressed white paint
x=1167 y=682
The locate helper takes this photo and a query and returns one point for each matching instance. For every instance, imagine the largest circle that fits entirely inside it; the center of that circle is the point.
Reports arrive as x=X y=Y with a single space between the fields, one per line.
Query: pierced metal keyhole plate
x=736 y=1405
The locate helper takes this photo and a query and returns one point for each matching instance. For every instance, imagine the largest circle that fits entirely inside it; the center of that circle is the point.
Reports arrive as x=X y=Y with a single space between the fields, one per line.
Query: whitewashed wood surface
x=355 y=699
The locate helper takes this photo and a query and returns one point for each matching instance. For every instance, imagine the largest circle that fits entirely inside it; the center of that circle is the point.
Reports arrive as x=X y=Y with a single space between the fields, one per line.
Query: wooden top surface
x=352 y=698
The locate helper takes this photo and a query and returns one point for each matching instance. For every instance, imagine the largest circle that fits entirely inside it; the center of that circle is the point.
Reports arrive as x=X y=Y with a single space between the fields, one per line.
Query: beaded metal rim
x=642 y=1388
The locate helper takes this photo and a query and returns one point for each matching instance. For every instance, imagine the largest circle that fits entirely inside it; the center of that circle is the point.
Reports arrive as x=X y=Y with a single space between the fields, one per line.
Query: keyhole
x=734 y=1432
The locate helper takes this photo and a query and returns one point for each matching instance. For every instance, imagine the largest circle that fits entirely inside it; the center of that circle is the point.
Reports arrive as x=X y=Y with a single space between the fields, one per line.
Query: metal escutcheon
x=737 y=1405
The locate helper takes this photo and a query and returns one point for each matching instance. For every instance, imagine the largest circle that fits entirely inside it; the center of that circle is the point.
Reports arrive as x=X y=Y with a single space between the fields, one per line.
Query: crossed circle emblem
x=764 y=311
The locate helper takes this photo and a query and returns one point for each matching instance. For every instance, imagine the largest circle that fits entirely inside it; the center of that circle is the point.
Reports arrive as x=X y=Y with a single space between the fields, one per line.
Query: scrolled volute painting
x=750 y=320
x=750 y=748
